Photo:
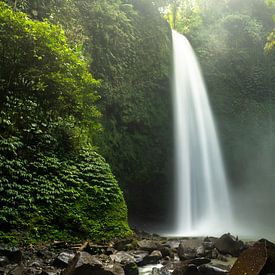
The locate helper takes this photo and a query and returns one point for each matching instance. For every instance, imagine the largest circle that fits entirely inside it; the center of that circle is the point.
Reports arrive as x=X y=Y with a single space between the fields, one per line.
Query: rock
x=166 y=251
x=197 y=261
x=212 y=270
x=110 y=251
x=14 y=254
x=130 y=269
x=86 y=264
x=18 y=270
x=122 y=257
x=258 y=259
x=148 y=245
x=114 y=269
x=63 y=259
x=4 y=261
x=200 y=251
x=153 y=258
x=186 y=270
x=188 y=249
x=127 y=261
x=125 y=244
x=139 y=255
x=228 y=244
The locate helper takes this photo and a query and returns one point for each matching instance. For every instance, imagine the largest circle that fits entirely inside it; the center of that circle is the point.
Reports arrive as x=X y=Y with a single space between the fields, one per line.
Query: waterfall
x=202 y=197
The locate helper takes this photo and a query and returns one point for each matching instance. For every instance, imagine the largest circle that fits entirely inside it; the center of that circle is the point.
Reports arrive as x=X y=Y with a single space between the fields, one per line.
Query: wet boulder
x=152 y=258
x=127 y=261
x=14 y=254
x=4 y=261
x=188 y=249
x=212 y=270
x=63 y=259
x=148 y=245
x=122 y=257
x=186 y=270
x=228 y=244
x=257 y=259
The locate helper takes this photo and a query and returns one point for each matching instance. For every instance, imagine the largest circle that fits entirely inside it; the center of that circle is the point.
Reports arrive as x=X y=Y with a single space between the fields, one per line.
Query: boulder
x=153 y=258
x=130 y=268
x=188 y=249
x=197 y=261
x=127 y=261
x=14 y=254
x=186 y=270
x=4 y=261
x=113 y=269
x=166 y=251
x=212 y=270
x=63 y=259
x=125 y=244
x=18 y=270
x=258 y=259
x=148 y=245
x=228 y=244
x=139 y=255
x=86 y=264
x=122 y=257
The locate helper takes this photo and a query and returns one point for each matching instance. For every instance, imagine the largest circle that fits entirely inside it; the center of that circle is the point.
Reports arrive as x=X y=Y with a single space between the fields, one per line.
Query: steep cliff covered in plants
x=80 y=77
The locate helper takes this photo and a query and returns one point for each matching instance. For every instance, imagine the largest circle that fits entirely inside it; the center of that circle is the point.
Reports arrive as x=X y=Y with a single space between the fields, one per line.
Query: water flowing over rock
x=203 y=205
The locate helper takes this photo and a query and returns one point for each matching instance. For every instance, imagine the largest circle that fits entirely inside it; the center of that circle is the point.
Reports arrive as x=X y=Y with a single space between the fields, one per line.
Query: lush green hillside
x=53 y=184
x=80 y=77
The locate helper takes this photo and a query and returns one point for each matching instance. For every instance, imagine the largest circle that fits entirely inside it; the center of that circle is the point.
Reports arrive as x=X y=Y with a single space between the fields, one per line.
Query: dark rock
x=172 y=243
x=166 y=251
x=212 y=270
x=197 y=261
x=84 y=264
x=110 y=251
x=186 y=270
x=123 y=257
x=153 y=258
x=127 y=261
x=63 y=259
x=14 y=254
x=18 y=270
x=228 y=244
x=130 y=268
x=4 y=261
x=148 y=245
x=188 y=249
x=258 y=259
x=114 y=269
x=125 y=244
x=200 y=251
x=139 y=255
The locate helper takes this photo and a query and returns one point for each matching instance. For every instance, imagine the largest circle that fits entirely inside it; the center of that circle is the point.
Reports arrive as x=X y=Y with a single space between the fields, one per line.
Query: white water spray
x=203 y=205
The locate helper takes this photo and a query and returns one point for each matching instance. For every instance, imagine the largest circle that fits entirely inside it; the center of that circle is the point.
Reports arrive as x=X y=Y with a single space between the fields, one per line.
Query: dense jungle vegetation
x=86 y=108
x=81 y=79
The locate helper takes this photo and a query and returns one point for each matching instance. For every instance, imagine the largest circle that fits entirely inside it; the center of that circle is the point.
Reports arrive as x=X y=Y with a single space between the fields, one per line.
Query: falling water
x=203 y=205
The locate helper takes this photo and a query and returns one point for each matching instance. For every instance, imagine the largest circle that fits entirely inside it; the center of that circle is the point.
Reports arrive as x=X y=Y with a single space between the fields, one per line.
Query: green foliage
x=50 y=197
x=52 y=184
x=133 y=60
x=183 y=16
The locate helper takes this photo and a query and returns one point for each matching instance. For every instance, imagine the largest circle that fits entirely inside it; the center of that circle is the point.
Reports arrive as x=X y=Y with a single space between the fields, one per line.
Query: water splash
x=203 y=205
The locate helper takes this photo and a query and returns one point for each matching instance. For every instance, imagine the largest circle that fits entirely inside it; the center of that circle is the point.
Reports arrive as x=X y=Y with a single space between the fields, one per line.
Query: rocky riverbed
x=143 y=254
